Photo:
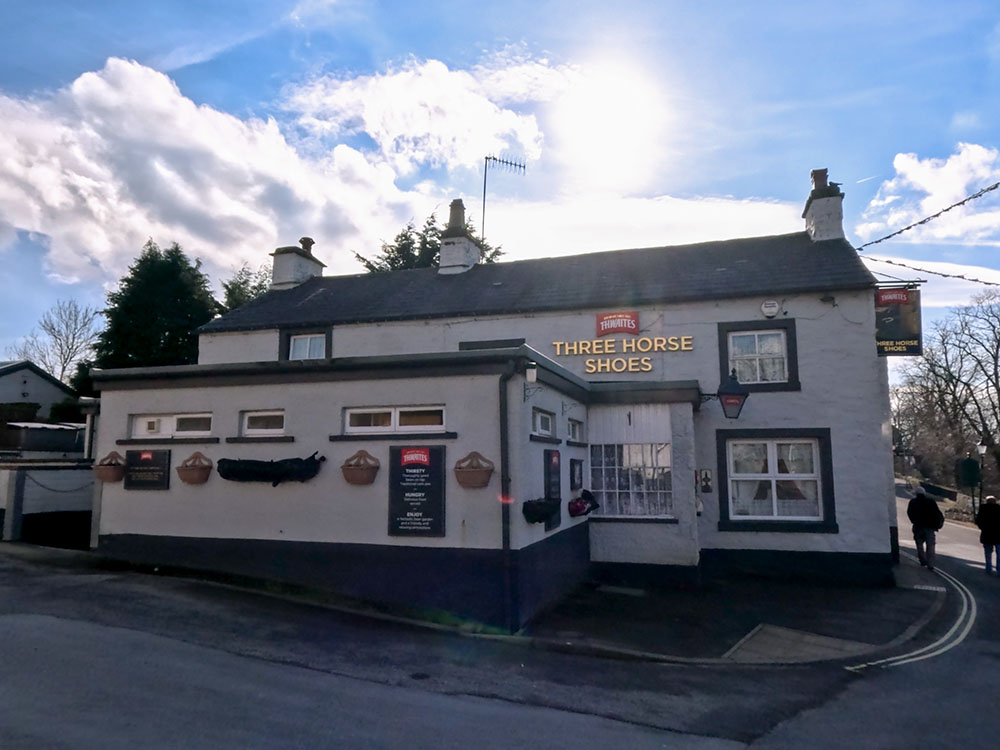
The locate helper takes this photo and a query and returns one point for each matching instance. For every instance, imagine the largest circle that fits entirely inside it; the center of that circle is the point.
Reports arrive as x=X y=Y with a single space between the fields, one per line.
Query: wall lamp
x=731 y=394
x=531 y=377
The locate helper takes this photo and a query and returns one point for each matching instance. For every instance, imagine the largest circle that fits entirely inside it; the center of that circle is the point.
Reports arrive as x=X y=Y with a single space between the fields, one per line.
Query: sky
x=232 y=128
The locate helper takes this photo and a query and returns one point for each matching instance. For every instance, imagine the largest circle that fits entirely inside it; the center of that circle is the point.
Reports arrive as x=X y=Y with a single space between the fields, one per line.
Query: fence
x=47 y=502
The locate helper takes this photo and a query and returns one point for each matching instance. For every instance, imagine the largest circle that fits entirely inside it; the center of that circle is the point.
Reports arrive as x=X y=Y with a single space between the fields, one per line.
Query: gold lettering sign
x=606 y=348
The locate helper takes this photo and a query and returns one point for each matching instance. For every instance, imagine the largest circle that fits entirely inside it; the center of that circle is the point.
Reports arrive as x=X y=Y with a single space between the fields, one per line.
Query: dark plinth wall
x=469 y=583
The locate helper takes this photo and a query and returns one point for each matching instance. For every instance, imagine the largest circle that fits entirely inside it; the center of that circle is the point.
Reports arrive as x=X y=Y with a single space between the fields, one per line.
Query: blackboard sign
x=416 y=491
x=147 y=470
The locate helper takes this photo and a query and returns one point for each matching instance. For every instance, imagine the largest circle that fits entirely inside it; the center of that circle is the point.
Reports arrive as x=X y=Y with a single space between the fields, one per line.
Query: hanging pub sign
x=416 y=491
x=147 y=470
x=897 y=322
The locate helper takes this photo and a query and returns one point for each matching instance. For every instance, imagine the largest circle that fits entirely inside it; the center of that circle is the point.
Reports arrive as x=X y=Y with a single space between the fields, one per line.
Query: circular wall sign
x=770 y=307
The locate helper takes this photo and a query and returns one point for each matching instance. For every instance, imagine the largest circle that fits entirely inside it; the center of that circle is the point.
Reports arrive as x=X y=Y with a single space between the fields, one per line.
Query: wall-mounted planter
x=195 y=469
x=540 y=511
x=360 y=468
x=474 y=471
x=111 y=468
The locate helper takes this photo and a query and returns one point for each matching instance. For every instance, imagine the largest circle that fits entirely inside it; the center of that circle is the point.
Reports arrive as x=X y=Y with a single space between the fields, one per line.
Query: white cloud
x=923 y=187
x=121 y=155
x=424 y=114
x=591 y=224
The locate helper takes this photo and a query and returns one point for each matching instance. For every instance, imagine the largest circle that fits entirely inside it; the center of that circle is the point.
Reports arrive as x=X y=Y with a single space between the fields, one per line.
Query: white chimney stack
x=824 y=211
x=458 y=252
x=293 y=265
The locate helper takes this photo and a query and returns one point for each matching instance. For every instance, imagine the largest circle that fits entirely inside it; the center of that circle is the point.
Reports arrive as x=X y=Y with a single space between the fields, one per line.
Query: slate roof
x=12 y=366
x=756 y=266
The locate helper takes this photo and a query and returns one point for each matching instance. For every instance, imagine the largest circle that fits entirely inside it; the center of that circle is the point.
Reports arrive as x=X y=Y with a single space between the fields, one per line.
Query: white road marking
x=962 y=625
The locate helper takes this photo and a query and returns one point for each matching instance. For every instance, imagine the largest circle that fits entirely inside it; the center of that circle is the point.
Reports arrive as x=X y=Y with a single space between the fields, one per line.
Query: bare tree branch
x=67 y=336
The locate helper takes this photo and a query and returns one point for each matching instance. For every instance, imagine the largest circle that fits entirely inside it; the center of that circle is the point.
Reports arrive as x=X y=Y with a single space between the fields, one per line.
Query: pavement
x=744 y=621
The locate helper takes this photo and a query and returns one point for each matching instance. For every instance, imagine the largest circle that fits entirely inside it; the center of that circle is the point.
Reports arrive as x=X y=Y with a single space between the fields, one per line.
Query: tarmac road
x=948 y=700
x=98 y=658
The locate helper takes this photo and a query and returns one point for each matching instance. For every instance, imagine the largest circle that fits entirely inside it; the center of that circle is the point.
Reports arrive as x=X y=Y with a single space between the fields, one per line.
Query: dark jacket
x=988 y=520
x=924 y=513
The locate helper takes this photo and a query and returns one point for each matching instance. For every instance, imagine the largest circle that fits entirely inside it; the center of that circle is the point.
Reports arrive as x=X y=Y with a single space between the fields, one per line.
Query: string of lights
x=962 y=202
x=963 y=277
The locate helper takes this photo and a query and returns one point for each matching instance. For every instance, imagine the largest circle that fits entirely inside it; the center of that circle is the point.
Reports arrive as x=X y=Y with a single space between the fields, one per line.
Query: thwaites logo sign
x=415 y=456
x=618 y=322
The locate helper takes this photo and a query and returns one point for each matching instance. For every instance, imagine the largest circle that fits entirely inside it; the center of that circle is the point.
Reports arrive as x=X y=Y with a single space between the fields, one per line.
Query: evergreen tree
x=245 y=285
x=413 y=249
x=153 y=316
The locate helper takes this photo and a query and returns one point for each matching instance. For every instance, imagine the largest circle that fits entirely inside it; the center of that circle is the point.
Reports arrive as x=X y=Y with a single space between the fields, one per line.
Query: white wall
x=27 y=386
x=326 y=508
x=243 y=346
x=843 y=389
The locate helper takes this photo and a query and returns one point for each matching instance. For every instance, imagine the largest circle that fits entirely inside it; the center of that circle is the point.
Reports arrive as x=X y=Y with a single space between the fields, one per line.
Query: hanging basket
x=474 y=471
x=195 y=469
x=111 y=468
x=360 y=468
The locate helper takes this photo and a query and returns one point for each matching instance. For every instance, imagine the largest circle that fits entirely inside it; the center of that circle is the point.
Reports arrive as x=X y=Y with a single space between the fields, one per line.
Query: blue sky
x=235 y=127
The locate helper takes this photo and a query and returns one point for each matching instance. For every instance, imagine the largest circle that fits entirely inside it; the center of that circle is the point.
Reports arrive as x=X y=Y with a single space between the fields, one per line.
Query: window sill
x=261 y=439
x=791 y=385
x=577 y=444
x=784 y=527
x=544 y=439
x=632 y=519
x=166 y=441
x=394 y=436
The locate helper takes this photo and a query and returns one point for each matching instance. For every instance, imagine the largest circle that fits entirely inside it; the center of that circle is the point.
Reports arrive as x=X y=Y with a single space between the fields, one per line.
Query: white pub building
x=461 y=409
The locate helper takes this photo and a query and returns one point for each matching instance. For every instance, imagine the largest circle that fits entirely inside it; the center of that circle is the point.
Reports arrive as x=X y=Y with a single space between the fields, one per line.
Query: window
x=574 y=430
x=774 y=479
x=758 y=356
x=395 y=419
x=171 y=425
x=631 y=480
x=263 y=423
x=763 y=353
x=543 y=423
x=307 y=346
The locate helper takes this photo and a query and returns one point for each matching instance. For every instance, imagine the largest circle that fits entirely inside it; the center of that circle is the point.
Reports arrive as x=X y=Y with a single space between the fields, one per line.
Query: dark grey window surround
x=822 y=435
x=791 y=351
x=286 y=340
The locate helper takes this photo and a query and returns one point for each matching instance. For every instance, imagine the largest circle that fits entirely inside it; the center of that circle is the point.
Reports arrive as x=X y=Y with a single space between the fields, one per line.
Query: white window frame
x=166 y=426
x=574 y=430
x=394 y=425
x=757 y=356
x=247 y=431
x=773 y=476
x=639 y=499
x=537 y=417
x=308 y=338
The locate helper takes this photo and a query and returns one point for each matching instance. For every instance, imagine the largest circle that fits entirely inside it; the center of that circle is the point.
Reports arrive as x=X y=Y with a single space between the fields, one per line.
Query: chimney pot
x=458 y=252
x=824 y=211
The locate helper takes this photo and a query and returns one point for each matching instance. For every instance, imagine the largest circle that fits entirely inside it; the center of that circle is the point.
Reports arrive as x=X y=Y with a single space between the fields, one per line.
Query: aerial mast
x=508 y=165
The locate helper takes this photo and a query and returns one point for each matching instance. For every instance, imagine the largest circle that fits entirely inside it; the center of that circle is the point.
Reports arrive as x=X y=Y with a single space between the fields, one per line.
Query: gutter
x=508 y=556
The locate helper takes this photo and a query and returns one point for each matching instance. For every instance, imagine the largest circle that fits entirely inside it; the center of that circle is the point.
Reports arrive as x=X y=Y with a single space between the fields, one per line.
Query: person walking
x=988 y=521
x=927 y=519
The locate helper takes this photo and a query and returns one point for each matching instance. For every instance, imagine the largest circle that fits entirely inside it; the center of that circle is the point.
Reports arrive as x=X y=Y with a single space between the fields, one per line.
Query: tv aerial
x=507 y=165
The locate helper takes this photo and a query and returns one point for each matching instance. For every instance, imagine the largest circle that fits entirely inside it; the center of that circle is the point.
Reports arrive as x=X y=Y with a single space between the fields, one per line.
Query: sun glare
x=610 y=128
